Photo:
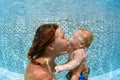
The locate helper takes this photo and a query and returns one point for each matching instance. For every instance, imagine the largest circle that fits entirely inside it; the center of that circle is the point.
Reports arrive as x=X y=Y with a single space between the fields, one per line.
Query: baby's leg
x=74 y=77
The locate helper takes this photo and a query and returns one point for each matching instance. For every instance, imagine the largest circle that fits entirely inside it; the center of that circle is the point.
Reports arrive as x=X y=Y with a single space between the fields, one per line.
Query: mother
x=49 y=42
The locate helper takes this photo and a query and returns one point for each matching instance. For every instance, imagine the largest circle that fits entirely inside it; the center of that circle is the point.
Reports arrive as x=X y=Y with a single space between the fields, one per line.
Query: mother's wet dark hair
x=44 y=35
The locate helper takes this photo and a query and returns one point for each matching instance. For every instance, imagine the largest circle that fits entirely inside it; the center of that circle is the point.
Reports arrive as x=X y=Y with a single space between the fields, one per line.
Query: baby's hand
x=58 y=69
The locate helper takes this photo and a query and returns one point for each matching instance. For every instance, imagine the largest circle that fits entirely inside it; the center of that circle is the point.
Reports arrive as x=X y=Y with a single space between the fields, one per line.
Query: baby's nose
x=70 y=40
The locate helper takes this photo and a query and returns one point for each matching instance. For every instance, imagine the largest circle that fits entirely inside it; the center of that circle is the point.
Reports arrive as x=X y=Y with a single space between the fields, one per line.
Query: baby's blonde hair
x=86 y=36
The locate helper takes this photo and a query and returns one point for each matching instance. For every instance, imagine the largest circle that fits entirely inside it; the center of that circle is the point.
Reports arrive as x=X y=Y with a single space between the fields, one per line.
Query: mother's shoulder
x=42 y=74
x=37 y=72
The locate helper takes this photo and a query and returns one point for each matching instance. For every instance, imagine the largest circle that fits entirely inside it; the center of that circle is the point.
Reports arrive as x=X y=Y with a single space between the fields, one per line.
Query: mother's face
x=61 y=42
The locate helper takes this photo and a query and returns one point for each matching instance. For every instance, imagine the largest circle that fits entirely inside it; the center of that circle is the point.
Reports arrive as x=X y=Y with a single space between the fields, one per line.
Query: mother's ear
x=51 y=47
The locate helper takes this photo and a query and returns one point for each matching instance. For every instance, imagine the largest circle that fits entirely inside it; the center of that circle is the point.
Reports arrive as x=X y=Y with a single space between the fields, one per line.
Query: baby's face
x=74 y=41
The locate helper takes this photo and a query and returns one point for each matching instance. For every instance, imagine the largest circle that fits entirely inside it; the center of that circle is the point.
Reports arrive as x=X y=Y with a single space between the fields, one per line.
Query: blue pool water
x=19 y=20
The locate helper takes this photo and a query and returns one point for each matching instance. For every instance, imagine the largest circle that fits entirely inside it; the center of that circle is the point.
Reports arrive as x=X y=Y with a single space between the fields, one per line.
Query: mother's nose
x=70 y=39
x=66 y=38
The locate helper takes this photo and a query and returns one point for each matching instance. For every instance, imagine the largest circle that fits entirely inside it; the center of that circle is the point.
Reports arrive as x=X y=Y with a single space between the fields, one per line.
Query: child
x=77 y=56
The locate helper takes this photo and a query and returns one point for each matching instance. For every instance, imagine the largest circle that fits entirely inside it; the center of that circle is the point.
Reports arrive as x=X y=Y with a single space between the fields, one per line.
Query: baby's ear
x=82 y=45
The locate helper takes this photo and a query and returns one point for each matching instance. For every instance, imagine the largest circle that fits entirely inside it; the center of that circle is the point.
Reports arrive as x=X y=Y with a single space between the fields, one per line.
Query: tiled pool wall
x=19 y=20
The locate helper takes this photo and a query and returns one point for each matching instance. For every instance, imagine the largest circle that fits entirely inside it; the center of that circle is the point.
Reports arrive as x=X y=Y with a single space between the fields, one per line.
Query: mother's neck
x=48 y=60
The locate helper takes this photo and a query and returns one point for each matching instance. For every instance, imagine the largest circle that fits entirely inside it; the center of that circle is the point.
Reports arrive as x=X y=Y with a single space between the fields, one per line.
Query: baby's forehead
x=77 y=32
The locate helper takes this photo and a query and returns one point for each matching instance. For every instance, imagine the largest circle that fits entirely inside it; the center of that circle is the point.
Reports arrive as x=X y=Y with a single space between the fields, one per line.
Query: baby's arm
x=77 y=58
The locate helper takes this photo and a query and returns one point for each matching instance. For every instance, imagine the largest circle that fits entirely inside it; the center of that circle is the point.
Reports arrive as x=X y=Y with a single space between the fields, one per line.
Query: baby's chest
x=71 y=56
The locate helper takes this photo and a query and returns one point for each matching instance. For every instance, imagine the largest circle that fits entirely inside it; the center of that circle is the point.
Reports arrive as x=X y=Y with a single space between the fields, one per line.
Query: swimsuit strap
x=46 y=61
x=49 y=67
x=35 y=62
